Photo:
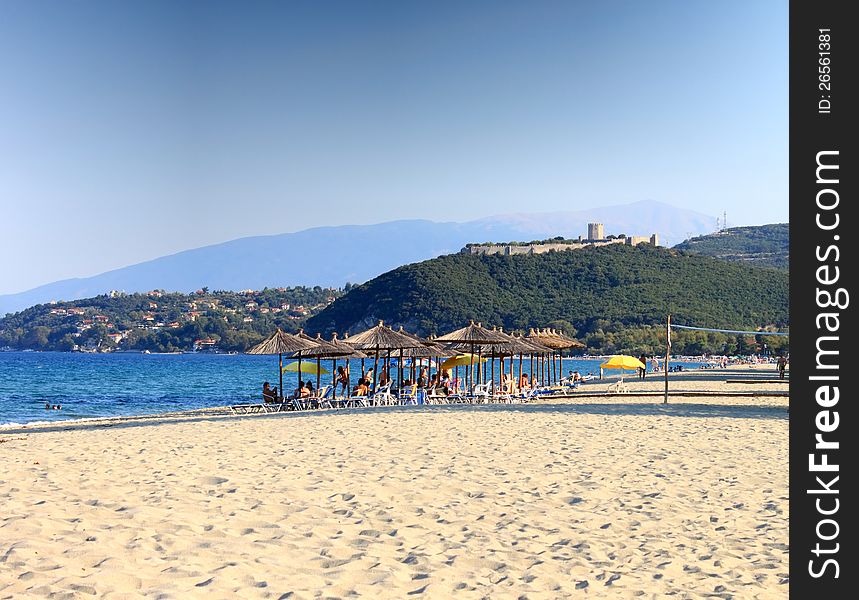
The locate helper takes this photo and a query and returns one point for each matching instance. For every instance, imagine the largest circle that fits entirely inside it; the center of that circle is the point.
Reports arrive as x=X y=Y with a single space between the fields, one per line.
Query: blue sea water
x=125 y=384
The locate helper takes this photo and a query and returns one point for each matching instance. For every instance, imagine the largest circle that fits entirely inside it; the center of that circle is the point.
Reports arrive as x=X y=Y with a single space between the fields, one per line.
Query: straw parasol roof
x=427 y=351
x=322 y=348
x=517 y=345
x=572 y=343
x=553 y=339
x=382 y=337
x=474 y=333
x=347 y=350
x=281 y=342
x=535 y=345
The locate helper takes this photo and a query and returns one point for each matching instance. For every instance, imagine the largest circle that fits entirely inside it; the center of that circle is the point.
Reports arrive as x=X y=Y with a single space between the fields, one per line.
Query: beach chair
x=246 y=408
x=322 y=399
x=480 y=393
x=619 y=387
x=408 y=395
x=502 y=396
x=273 y=406
x=383 y=396
x=352 y=401
x=434 y=397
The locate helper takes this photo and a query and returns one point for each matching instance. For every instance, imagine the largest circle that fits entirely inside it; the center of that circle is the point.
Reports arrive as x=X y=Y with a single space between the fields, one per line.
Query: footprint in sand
x=213 y=480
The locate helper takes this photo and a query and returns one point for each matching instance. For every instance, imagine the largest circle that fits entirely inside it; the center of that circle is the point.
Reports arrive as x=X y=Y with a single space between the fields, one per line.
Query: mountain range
x=333 y=256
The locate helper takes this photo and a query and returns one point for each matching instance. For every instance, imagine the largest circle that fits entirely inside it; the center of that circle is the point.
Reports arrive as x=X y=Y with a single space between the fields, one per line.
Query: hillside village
x=160 y=321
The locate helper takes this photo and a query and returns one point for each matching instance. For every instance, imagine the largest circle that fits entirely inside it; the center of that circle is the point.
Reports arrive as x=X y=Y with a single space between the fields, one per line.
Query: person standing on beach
x=782 y=364
x=642 y=371
x=342 y=380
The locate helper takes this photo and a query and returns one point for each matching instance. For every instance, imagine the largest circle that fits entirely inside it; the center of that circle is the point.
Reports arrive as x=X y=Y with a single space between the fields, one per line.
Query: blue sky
x=133 y=130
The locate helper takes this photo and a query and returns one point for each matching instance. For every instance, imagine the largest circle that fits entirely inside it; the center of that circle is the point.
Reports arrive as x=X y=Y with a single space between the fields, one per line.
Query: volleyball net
x=734 y=331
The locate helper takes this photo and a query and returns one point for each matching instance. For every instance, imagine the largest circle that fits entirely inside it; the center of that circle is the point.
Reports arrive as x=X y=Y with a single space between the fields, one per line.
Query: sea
x=89 y=385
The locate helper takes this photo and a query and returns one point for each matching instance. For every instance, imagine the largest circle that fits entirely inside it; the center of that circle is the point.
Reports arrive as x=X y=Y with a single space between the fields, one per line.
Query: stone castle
x=596 y=237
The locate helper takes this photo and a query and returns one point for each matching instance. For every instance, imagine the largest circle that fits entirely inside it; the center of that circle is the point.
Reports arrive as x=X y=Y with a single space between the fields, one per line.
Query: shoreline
x=649 y=388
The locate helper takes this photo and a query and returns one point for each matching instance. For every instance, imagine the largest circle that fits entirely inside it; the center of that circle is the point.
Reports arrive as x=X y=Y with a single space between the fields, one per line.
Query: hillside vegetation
x=159 y=321
x=763 y=246
x=609 y=296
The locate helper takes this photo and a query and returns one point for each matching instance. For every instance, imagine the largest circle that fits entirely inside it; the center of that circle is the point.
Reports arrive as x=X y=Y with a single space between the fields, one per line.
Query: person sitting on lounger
x=268 y=394
x=523 y=382
x=445 y=382
x=301 y=391
x=383 y=377
x=362 y=389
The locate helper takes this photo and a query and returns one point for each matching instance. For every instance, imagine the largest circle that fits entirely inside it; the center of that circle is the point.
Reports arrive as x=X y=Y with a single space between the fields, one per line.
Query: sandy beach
x=594 y=496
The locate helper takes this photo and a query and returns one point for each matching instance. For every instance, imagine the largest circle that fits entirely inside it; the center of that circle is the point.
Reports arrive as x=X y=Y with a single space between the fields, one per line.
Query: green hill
x=593 y=293
x=763 y=246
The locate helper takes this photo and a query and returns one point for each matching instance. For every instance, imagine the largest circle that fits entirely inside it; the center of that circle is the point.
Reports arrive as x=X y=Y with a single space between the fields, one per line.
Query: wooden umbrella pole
x=469 y=373
x=280 y=370
x=375 y=368
x=667 y=355
x=520 y=370
x=299 y=366
x=492 y=376
x=318 y=373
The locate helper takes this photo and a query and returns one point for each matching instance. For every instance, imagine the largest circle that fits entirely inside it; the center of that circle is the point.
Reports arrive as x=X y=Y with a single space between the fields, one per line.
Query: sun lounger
x=246 y=408
x=408 y=395
x=619 y=387
x=321 y=399
x=480 y=394
x=383 y=396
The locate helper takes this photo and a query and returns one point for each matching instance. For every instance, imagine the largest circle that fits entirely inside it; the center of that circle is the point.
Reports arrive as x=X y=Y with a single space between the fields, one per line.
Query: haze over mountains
x=333 y=256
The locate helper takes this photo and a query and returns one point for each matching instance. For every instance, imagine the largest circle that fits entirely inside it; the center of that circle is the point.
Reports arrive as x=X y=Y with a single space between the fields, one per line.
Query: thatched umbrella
x=323 y=350
x=381 y=337
x=516 y=345
x=531 y=346
x=558 y=342
x=346 y=352
x=548 y=343
x=473 y=334
x=281 y=343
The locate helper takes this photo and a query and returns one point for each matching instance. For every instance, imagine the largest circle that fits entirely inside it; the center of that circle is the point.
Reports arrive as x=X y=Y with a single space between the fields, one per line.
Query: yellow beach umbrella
x=461 y=360
x=624 y=362
x=306 y=367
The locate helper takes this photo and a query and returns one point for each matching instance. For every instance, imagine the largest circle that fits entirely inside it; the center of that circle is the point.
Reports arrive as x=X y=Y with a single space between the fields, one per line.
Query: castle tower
x=596 y=231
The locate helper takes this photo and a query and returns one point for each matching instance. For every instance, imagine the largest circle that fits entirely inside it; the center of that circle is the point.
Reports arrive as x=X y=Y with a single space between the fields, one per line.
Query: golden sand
x=613 y=497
